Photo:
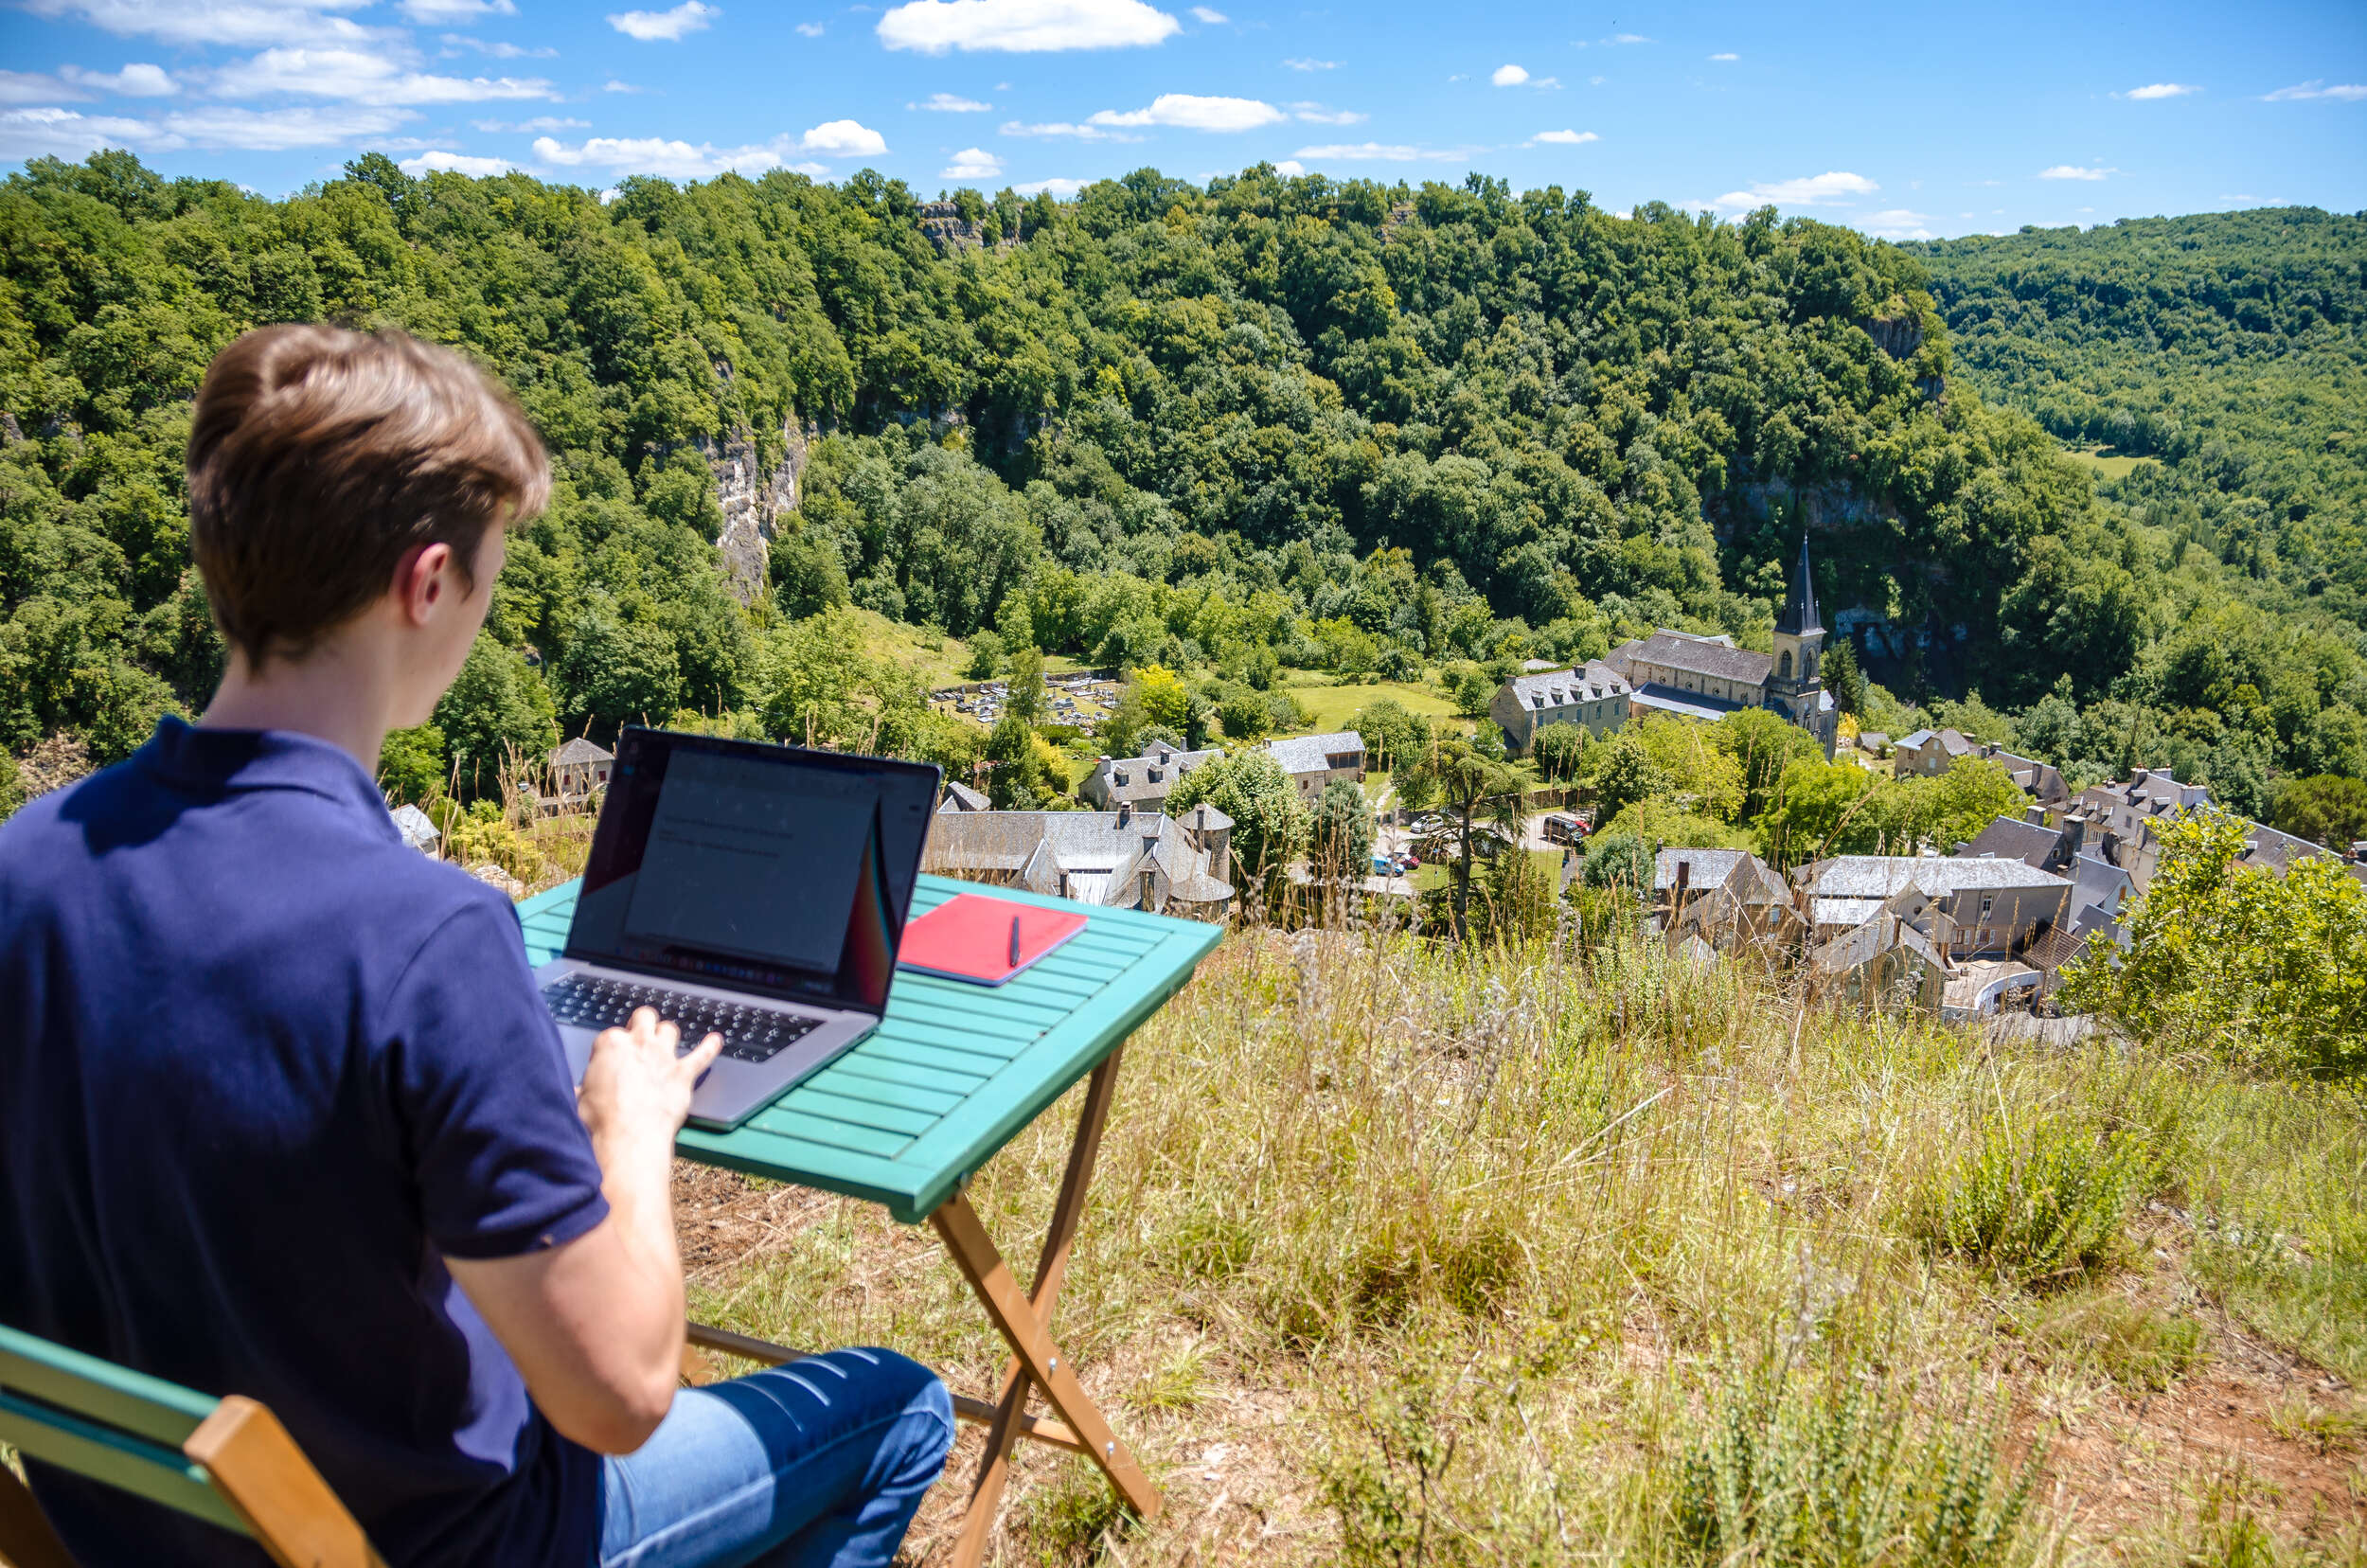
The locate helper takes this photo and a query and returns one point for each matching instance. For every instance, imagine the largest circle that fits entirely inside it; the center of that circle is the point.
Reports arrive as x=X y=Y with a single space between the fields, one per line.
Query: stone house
x=1927 y=753
x=1123 y=859
x=1313 y=761
x=1882 y=962
x=1595 y=695
x=1972 y=908
x=579 y=770
x=1730 y=898
x=1143 y=782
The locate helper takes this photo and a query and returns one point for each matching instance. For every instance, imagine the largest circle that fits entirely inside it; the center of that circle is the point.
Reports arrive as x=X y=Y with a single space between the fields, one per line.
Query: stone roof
x=1866 y=942
x=1881 y=876
x=1562 y=688
x=1094 y=851
x=2272 y=847
x=1149 y=776
x=1717 y=659
x=1684 y=704
x=1798 y=615
x=1205 y=818
x=579 y=751
x=1711 y=867
x=961 y=798
x=1954 y=743
x=1306 y=754
x=416 y=827
x=2012 y=838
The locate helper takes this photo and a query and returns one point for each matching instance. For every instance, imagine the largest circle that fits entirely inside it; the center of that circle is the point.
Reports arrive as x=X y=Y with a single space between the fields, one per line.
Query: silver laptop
x=752 y=891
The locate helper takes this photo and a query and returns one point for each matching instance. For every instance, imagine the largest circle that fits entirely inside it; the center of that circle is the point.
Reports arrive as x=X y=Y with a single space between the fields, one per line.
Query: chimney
x=1126 y=813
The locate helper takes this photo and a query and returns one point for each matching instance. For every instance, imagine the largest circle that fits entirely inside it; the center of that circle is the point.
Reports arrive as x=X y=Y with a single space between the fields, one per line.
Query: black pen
x=1014 y=941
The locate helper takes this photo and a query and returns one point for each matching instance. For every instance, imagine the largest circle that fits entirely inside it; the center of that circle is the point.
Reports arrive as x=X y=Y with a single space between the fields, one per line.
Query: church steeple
x=1799 y=616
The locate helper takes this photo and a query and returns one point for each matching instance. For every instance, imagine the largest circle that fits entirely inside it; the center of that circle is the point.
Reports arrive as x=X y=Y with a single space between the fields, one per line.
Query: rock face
x=943 y=224
x=752 y=498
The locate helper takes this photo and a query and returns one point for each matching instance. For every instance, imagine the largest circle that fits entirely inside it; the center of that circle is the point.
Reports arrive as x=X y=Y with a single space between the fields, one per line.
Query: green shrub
x=1832 y=1475
x=2109 y=1336
x=2039 y=1211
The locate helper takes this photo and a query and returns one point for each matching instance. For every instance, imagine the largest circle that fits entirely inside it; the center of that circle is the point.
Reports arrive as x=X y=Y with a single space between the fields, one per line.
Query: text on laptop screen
x=754 y=866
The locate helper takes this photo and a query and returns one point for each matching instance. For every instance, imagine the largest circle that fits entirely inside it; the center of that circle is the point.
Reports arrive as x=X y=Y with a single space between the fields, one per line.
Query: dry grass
x=1401 y=1256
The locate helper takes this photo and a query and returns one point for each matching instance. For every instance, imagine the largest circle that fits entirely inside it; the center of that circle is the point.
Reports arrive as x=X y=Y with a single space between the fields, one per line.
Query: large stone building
x=1594 y=696
x=1969 y=908
x=1699 y=677
x=1143 y=782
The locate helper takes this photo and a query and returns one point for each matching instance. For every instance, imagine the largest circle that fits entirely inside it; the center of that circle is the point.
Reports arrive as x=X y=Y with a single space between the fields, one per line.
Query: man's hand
x=595 y=1324
x=636 y=1088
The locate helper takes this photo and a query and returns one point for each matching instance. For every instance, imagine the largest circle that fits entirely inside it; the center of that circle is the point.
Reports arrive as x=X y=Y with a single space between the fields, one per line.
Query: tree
x=1820 y=809
x=1844 y=678
x=617 y=671
x=1015 y=780
x=1620 y=862
x=1165 y=700
x=1483 y=797
x=1270 y=827
x=2266 y=971
x=2324 y=810
x=1625 y=775
x=1559 y=751
x=986 y=655
x=1024 y=688
x=496 y=718
x=1340 y=836
x=1958 y=805
x=1245 y=712
x=1390 y=732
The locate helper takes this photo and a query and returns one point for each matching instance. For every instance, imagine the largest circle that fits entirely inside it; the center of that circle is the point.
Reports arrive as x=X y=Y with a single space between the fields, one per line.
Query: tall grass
x=1452 y=1254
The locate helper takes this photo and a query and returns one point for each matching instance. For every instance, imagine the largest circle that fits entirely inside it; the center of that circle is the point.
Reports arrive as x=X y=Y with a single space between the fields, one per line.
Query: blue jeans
x=823 y=1461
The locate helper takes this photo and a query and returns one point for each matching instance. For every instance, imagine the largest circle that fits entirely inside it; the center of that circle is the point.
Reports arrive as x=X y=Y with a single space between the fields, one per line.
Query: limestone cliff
x=752 y=498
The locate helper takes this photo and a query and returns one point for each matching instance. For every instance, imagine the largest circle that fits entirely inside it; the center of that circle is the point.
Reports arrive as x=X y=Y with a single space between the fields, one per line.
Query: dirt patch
x=2127 y=1463
x=723 y=1220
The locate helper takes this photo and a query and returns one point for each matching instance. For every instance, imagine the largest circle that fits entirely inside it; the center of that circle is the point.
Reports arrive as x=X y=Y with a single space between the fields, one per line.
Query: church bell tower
x=1796 y=687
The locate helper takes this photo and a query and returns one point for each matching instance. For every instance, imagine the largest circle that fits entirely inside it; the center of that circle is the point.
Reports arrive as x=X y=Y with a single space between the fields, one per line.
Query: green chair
x=228 y=1461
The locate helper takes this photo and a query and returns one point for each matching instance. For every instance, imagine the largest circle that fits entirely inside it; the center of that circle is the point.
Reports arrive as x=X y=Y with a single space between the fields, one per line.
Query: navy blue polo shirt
x=263 y=1068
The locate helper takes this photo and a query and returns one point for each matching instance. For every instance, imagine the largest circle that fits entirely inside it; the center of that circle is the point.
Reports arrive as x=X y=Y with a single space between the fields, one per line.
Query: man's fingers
x=699 y=1060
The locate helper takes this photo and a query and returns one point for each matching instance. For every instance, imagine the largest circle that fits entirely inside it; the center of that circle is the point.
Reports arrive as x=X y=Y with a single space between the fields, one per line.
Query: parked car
x=1561 y=827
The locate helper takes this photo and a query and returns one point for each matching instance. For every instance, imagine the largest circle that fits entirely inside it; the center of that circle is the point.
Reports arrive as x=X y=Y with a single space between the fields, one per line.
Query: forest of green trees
x=1264 y=421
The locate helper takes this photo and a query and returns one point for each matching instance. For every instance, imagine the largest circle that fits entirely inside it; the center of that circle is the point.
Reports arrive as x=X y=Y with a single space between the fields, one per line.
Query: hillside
x=1399 y=1257
x=1267 y=422
x=2228 y=348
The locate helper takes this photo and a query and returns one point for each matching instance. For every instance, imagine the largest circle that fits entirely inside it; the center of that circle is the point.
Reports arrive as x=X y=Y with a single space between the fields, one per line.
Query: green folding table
x=953 y=1073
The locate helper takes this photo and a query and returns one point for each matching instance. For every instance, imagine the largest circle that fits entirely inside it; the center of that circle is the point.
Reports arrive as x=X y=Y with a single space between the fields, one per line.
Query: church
x=1708 y=678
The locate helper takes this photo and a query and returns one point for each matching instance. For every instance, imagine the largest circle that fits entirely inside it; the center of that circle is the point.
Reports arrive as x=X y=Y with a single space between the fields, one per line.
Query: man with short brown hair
x=281 y=1112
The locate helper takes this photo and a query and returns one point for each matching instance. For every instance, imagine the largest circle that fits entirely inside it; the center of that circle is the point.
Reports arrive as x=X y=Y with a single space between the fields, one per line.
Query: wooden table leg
x=986 y=1496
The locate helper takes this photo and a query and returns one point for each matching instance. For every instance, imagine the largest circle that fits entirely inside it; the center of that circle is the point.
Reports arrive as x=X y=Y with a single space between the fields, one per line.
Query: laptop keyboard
x=750 y=1032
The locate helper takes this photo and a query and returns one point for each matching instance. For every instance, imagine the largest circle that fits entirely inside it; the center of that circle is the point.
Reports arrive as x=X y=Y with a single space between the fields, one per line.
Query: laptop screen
x=765 y=868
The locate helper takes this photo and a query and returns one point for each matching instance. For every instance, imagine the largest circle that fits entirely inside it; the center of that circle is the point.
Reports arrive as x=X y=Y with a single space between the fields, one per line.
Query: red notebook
x=984 y=941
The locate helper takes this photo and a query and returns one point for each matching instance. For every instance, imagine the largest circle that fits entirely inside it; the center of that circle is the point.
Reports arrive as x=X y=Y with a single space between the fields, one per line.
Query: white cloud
x=1563 y=138
x=677 y=160
x=1810 y=190
x=1058 y=187
x=1315 y=114
x=2159 y=90
x=29 y=132
x=842 y=138
x=133 y=81
x=454 y=42
x=1291 y=166
x=1728 y=55
x=681 y=160
x=2073 y=172
x=613 y=85
x=1899 y=223
x=435 y=13
x=235 y=23
x=2348 y=92
x=539 y=122
x=1191 y=112
x=1310 y=63
x=667 y=27
x=946 y=103
x=1379 y=152
x=1064 y=127
x=1509 y=76
x=1617 y=39
x=972 y=162
x=1213 y=18
x=810 y=30
x=34 y=87
x=436 y=161
x=363 y=78
x=1023 y=26
x=2254 y=201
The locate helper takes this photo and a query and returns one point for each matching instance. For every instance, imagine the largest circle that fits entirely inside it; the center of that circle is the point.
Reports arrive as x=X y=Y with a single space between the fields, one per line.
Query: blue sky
x=1901 y=120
